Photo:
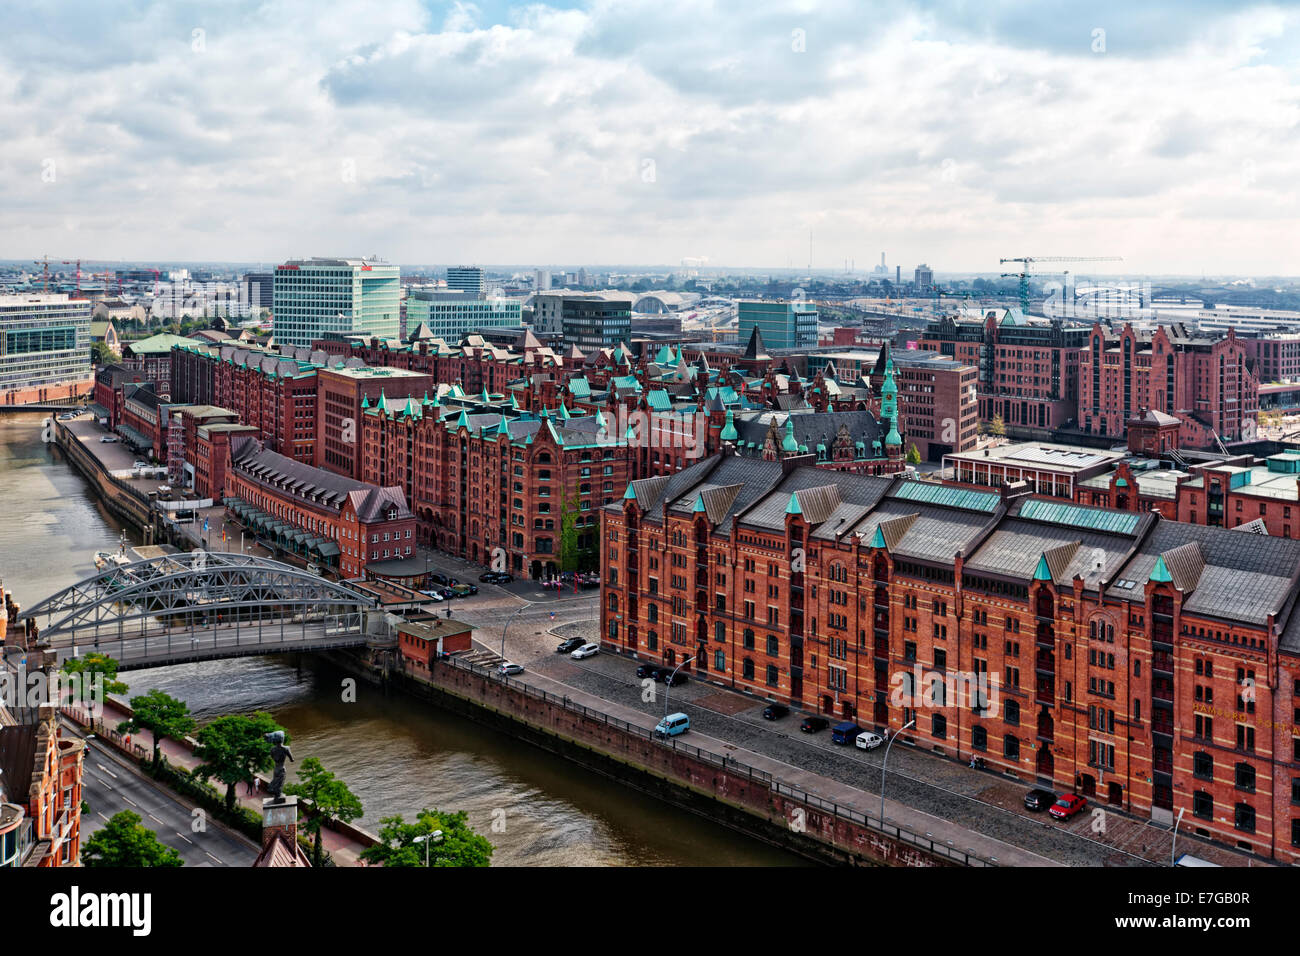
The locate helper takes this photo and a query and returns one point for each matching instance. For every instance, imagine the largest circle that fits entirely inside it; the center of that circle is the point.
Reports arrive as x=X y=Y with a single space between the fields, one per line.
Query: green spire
x=793 y=507
x=699 y=505
x=426 y=399
x=1042 y=572
x=1160 y=573
x=878 y=539
x=382 y=404
x=629 y=495
x=788 y=443
x=462 y=421
x=729 y=430
x=365 y=403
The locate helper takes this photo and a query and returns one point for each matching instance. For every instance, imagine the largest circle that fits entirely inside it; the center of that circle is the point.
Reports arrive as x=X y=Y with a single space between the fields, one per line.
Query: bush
x=206 y=796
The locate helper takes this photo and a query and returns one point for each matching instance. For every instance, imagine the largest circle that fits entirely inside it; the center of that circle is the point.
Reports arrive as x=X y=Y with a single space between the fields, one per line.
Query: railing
x=732 y=766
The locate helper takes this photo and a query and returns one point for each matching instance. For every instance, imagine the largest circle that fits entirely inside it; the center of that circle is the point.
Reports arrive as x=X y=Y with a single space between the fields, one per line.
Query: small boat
x=110 y=559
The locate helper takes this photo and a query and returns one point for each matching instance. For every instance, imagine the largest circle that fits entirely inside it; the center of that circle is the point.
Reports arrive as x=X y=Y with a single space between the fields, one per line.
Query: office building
x=451 y=315
x=466 y=279
x=783 y=324
x=259 y=290
x=316 y=296
x=44 y=342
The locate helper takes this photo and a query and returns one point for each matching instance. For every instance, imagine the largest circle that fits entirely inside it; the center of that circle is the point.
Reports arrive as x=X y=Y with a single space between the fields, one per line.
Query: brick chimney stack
x=280 y=819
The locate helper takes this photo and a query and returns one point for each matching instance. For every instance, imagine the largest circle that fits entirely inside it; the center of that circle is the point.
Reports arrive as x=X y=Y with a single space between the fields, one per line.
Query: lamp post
x=1174 y=845
x=668 y=685
x=884 y=763
x=506 y=627
x=426 y=839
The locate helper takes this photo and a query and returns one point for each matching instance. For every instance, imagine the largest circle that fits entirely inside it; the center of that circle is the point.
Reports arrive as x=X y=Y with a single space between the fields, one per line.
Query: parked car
x=434 y=595
x=504 y=577
x=447 y=593
x=647 y=670
x=585 y=651
x=572 y=644
x=867 y=740
x=673 y=725
x=668 y=675
x=442 y=579
x=464 y=590
x=775 y=711
x=1067 y=805
x=140 y=464
x=811 y=725
x=313 y=569
x=509 y=669
x=1039 y=799
x=487 y=577
x=845 y=732
x=108 y=439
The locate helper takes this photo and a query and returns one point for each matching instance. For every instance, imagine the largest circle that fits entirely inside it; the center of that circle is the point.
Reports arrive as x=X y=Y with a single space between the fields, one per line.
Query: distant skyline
x=607 y=133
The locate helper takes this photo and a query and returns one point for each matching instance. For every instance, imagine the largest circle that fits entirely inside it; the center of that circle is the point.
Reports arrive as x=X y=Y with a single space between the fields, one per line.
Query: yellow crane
x=1027 y=262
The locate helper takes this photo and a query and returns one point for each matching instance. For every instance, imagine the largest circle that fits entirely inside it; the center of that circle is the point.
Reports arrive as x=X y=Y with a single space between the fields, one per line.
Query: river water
x=398 y=755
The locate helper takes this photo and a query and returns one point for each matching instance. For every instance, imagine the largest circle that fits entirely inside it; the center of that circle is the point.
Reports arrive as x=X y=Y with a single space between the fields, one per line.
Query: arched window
x=1203 y=765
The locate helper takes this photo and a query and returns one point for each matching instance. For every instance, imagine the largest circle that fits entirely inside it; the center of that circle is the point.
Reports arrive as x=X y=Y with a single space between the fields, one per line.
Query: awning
x=329 y=549
x=134 y=437
x=98 y=410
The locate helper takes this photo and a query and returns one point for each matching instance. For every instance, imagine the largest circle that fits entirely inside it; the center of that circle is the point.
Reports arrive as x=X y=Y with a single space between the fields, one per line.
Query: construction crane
x=77 y=263
x=44 y=263
x=1028 y=261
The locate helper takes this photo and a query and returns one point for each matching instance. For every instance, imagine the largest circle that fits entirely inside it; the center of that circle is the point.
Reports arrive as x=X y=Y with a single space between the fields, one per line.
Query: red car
x=1067 y=806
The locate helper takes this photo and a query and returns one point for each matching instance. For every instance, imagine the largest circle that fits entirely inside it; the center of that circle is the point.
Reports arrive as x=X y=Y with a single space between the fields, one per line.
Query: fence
x=733 y=766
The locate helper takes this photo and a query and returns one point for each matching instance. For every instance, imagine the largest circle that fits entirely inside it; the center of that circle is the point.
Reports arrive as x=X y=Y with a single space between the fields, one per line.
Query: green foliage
x=234 y=748
x=459 y=845
x=101 y=354
x=87 y=665
x=208 y=797
x=330 y=800
x=161 y=714
x=913 y=456
x=997 y=427
x=125 y=842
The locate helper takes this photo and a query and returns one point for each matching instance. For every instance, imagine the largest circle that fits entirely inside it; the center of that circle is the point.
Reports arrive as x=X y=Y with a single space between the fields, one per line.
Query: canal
x=396 y=754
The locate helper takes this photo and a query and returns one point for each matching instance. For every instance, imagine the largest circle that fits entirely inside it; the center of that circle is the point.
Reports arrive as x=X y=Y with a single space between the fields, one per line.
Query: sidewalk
x=345 y=850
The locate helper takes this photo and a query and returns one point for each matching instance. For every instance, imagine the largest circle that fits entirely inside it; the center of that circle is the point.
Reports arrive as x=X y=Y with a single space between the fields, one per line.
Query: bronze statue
x=279 y=751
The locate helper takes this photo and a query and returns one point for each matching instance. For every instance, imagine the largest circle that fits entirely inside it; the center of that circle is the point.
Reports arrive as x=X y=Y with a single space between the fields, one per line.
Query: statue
x=279 y=751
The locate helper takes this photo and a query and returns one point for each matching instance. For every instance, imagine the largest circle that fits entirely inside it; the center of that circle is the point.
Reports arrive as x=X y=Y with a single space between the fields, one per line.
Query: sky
x=617 y=132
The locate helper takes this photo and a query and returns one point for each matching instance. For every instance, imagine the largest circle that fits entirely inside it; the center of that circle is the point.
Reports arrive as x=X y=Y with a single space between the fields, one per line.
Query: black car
x=672 y=680
x=811 y=725
x=473 y=588
x=1039 y=799
x=440 y=579
x=647 y=670
x=775 y=711
x=572 y=644
x=487 y=577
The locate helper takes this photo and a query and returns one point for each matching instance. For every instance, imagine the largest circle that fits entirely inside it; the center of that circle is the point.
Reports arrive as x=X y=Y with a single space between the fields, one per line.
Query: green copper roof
x=893 y=438
x=365 y=402
x=788 y=443
x=629 y=495
x=1097 y=519
x=1160 y=573
x=382 y=404
x=729 y=432
x=793 y=507
x=1042 y=572
x=937 y=494
x=878 y=539
x=699 y=504
x=462 y=421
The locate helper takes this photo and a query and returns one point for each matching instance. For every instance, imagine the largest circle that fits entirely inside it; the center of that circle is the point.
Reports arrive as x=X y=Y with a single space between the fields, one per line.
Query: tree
x=124 y=842
x=234 y=748
x=331 y=800
x=161 y=714
x=101 y=354
x=458 y=846
x=997 y=427
x=569 y=515
x=86 y=667
x=913 y=456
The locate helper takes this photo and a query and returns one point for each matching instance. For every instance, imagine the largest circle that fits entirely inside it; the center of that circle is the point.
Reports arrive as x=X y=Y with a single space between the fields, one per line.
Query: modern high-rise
x=316 y=296
x=258 y=290
x=44 y=340
x=466 y=279
x=451 y=315
x=783 y=324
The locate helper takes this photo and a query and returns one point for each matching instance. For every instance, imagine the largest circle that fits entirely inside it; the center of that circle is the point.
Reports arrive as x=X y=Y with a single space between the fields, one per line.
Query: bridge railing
x=735 y=767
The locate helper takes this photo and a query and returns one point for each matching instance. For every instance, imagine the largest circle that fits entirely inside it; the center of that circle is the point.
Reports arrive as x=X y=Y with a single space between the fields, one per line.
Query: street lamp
x=426 y=839
x=669 y=683
x=884 y=763
x=1173 y=846
x=506 y=626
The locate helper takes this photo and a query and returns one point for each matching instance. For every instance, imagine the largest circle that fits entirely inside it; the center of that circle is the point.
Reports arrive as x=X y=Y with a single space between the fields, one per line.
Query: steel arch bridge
x=198 y=605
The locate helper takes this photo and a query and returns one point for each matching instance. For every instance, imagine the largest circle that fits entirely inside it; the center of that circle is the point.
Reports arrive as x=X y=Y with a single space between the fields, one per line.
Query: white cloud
x=646 y=131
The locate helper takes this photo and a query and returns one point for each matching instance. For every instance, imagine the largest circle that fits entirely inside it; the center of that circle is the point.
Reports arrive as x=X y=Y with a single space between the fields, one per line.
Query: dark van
x=845 y=733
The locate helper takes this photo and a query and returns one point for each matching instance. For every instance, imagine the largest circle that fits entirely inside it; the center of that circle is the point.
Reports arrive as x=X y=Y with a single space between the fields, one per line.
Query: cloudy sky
x=645 y=131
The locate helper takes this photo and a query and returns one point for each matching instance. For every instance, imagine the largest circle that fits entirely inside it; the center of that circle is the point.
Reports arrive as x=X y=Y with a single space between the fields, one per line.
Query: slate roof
x=1245 y=577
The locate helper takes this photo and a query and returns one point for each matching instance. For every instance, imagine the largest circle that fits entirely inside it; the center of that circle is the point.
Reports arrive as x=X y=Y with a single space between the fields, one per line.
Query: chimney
x=280 y=819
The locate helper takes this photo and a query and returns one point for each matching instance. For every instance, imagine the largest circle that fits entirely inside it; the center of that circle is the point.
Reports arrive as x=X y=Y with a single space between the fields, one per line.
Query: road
x=110 y=786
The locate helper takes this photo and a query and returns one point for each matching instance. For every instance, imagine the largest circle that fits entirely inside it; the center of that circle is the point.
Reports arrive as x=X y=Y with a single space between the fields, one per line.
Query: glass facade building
x=453 y=315
x=783 y=325
x=315 y=296
x=44 y=339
